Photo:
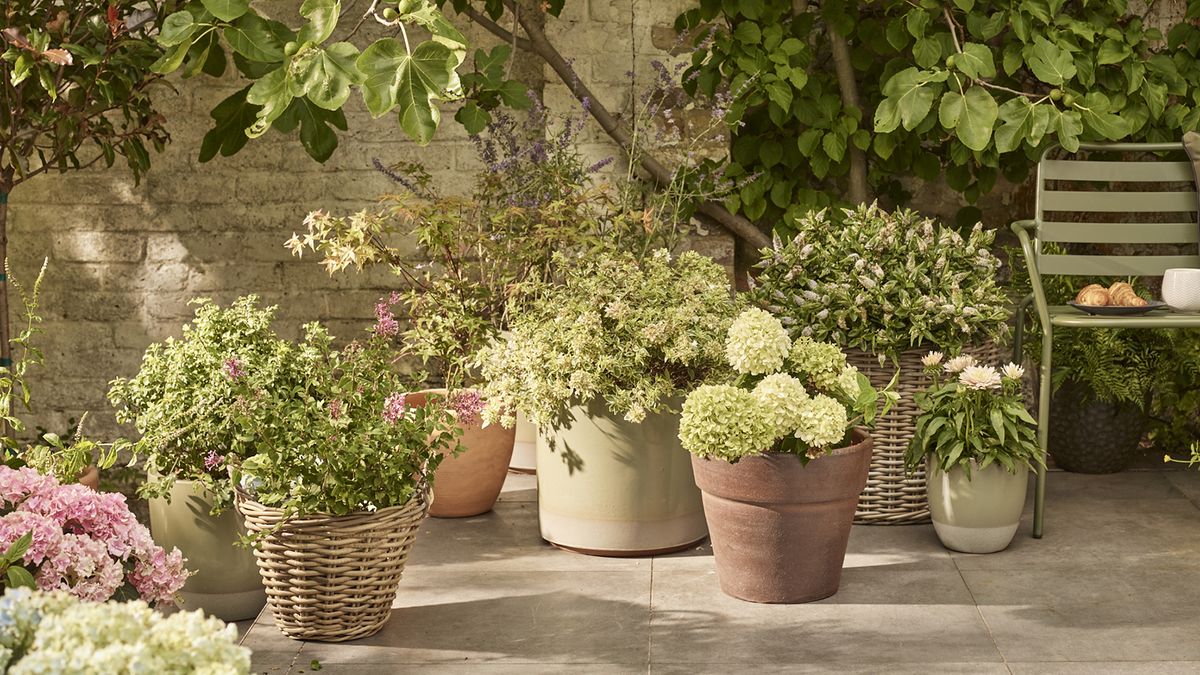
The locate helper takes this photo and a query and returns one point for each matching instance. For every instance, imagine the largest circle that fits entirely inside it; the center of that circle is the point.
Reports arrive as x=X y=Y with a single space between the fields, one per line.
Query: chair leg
x=1043 y=434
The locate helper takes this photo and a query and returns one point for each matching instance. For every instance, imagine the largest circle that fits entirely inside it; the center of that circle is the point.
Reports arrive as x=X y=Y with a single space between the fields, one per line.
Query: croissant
x=1093 y=295
x=1122 y=294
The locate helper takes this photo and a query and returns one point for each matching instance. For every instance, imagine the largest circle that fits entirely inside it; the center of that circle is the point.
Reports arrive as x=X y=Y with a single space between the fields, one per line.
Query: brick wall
x=126 y=258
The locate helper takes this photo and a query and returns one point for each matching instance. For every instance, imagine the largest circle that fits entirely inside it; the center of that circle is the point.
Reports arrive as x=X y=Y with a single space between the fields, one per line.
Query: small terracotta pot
x=469 y=484
x=779 y=529
x=90 y=477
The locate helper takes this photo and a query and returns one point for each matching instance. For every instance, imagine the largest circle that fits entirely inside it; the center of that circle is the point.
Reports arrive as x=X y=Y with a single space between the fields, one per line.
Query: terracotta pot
x=90 y=477
x=226 y=583
x=614 y=488
x=779 y=529
x=524 y=457
x=979 y=514
x=469 y=484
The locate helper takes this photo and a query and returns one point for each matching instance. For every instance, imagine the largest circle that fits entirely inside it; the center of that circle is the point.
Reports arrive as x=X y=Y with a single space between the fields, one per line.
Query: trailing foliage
x=972 y=88
x=884 y=282
x=972 y=413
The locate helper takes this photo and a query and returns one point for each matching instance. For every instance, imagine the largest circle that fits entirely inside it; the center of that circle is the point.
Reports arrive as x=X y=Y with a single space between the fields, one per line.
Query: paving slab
x=839 y=669
x=1097 y=668
x=1107 y=612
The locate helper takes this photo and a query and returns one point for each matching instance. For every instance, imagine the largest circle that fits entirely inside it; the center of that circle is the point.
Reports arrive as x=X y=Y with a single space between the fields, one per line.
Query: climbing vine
x=968 y=90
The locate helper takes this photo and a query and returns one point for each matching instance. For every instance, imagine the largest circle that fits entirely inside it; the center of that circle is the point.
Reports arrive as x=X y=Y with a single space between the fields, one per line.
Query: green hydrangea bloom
x=822 y=422
x=757 y=343
x=783 y=397
x=848 y=382
x=819 y=361
x=722 y=421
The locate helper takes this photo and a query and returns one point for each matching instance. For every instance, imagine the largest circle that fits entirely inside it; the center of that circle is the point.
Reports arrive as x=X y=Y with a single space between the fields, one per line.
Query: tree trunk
x=5 y=335
x=848 y=86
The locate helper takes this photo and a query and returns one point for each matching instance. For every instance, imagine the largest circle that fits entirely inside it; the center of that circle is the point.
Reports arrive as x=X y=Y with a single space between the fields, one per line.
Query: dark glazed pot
x=779 y=529
x=1091 y=436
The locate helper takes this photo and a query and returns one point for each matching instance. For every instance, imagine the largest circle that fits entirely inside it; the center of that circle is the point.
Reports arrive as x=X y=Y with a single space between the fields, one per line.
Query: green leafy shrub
x=336 y=435
x=976 y=413
x=797 y=397
x=884 y=282
x=633 y=334
x=183 y=398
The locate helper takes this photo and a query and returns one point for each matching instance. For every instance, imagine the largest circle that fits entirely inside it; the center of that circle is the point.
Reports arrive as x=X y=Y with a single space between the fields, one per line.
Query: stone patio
x=1111 y=589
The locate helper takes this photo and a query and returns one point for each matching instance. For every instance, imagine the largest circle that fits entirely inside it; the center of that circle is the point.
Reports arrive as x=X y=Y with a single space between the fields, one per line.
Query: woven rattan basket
x=333 y=578
x=892 y=497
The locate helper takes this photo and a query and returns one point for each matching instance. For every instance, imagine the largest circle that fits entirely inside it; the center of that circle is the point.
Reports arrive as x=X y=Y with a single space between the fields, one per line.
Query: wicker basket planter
x=333 y=578
x=892 y=497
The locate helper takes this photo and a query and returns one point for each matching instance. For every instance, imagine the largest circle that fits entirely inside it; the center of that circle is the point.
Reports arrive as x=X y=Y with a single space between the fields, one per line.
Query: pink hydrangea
x=47 y=534
x=467 y=405
x=83 y=540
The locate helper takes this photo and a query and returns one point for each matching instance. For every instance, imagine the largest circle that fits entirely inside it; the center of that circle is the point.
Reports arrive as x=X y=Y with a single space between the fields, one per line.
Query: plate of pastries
x=1116 y=300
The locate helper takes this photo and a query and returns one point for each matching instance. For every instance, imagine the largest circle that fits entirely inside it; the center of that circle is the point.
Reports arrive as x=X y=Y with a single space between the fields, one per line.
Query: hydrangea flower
x=848 y=382
x=757 y=343
x=822 y=422
x=783 y=397
x=725 y=422
x=820 y=361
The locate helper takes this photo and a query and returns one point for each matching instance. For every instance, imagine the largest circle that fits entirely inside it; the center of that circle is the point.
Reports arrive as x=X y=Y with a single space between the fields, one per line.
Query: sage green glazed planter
x=614 y=488
x=980 y=514
x=225 y=583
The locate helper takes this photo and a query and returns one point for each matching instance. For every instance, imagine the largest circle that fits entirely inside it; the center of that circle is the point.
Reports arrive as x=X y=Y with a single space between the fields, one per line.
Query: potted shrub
x=887 y=287
x=979 y=442
x=600 y=362
x=780 y=455
x=182 y=401
x=47 y=632
x=476 y=253
x=337 y=486
x=70 y=537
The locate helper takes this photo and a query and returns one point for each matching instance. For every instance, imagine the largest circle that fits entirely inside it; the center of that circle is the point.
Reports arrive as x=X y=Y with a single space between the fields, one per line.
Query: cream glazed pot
x=979 y=514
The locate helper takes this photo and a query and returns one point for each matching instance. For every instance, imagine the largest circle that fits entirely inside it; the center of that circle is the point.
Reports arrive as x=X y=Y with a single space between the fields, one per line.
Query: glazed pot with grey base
x=524 y=457
x=979 y=514
x=225 y=582
x=615 y=488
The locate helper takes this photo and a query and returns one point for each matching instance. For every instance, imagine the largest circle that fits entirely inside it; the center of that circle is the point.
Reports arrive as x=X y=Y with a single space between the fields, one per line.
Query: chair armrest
x=1023 y=228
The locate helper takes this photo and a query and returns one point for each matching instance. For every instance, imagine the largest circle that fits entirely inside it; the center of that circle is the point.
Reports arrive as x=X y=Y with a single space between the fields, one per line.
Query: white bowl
x=1181 y=289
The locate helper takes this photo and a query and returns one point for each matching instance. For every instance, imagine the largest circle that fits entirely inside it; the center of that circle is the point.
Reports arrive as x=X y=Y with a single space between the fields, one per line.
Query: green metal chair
x=1066 y=215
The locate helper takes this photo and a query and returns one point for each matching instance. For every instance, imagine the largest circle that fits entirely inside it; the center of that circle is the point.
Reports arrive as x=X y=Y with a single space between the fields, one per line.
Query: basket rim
x=422 y=496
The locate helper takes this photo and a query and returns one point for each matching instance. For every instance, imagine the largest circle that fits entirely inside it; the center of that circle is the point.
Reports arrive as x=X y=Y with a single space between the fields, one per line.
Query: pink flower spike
x=393 y=408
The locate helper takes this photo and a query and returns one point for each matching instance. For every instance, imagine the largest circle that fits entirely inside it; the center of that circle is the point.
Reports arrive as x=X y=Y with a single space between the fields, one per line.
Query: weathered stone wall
x=125 y=258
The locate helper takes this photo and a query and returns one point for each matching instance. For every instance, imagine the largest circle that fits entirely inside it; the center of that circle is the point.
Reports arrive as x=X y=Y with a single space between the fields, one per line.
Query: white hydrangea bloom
x=783 y=397
x=822 y=422
x=721 y=421
x=848 y=382
x=757 y=343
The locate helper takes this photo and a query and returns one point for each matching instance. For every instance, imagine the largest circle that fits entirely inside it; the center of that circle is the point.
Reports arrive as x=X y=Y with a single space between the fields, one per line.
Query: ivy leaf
x=330 y=73
x=228 y=135
x=176 y=28
x=255 y=38
x=978 y=117
x=322 y=18
x=473 y=118
x=1050 y=63
x=226 y=10
x=976 y=61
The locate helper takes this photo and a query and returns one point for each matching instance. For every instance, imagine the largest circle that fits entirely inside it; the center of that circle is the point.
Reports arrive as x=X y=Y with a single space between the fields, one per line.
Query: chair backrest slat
x=1118 y=202
x=1120 y=233
x=1147 y=187
x=1114 y=265
x=1109 y=172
